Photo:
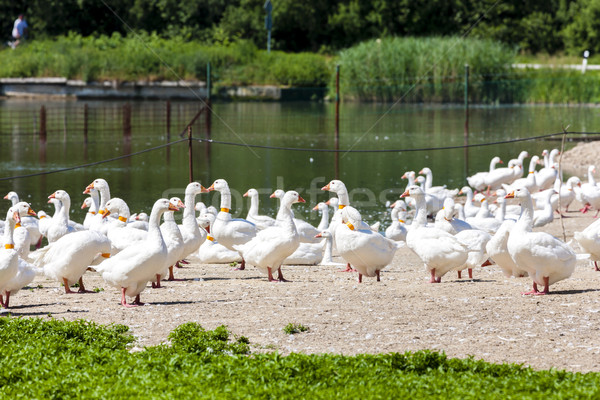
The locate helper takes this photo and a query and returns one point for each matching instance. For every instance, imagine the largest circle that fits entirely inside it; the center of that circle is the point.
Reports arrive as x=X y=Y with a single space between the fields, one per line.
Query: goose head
x=86 y=203
x=177 y=203
x=219 y=185
x=333 y=202
x=277 y=194
x=290 y=197
x=448 y=208
x=60 y=195
x=13 y=217
x=413 y=191
x=13 y=197
x=142 y=217
x=521 y=193
x=195 y=188
x=98 y=184
x=324 y=234
x=115 y=206
x=335 y=186
x=497 y=160
x=321 y=207
x=200 y=207
x=409 y=175
x=251 y=193
x=205 y=220
x=465 y=190
x=425 y=171
x=24 y=209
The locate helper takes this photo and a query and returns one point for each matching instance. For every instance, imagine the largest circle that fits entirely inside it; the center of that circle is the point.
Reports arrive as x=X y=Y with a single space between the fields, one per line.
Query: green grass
x=150 y=57
x=293 y=328
x=59 y=359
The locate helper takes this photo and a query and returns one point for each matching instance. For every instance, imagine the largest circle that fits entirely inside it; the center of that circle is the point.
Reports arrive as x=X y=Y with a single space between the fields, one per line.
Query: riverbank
x=63 y=88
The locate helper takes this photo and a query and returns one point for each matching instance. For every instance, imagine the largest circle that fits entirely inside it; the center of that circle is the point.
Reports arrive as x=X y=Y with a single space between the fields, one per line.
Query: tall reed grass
x=423 y=69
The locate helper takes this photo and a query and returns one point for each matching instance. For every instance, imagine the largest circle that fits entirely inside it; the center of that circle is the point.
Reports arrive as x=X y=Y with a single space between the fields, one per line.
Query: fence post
x=85 y=123
x=466 y=134
x=337 y=121
x=127 y=121
x=190 y=153
x=208 y=116
x=168 y=120
x=43 y=124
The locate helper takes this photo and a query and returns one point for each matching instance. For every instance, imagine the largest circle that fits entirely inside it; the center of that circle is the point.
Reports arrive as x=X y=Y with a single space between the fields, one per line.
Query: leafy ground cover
x=60 y=359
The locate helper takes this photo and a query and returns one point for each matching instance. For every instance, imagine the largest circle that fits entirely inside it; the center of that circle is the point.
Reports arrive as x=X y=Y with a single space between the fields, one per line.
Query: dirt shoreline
x=486 y=317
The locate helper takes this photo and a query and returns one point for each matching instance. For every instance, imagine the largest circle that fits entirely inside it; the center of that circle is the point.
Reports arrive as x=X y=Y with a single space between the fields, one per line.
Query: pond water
x=372 y=178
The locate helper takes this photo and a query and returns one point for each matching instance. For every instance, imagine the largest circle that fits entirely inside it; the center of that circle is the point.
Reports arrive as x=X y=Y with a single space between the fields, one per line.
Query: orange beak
x=203 y=189
x=316 y=208
x=106 y=214
x=301 y=200
x=245 y=194
x=211 y=188
x=328 y=202
x=403 y=176
x=326 y=187
x=180 y=204
x=6 y=197
x=318 y=235
x=87 y=190
x=511 y=195
x=420 y=172
x=31 y=212
x=271 y=196
x=83 y=205
x=405 y=194
x=52 y=196
x=173 y=208
x=501 y=162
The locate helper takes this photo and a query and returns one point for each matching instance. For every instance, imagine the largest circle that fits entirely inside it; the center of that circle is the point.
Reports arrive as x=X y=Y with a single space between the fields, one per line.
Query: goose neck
x=104 y=197
x=225 y=199
x=253 y=205
x=526 y=218
x=421 y=217
x=324 y=219
x=9 y=228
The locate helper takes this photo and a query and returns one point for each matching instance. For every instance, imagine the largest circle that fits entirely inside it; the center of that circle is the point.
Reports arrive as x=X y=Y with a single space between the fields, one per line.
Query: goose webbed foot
x=280 y=277
x=348 y=268
x=433 y=278
x=137 y=301
x=241 y=267
x=82 y=289
x=124 y=300
x=156 y=285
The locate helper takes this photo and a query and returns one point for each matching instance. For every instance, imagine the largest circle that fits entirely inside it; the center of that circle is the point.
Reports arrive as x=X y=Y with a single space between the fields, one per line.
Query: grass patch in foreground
x=60 y=359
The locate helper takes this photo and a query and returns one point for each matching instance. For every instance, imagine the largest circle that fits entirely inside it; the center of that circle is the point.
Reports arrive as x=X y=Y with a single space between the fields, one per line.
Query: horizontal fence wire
x=255 y=146
x=218 y=142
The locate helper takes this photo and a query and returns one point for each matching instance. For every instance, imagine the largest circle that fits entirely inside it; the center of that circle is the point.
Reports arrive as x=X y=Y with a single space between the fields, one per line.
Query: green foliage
x=426 y=69
x=192 y=338
x=583 y=30
x=59 y=359
x=150 y=57
x=293 y=328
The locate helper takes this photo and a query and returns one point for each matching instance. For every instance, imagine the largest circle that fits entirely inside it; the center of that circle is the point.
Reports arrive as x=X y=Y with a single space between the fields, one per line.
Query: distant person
x=19 y=32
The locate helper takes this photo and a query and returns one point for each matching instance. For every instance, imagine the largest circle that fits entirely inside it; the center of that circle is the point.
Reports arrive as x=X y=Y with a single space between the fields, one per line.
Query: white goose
x=93 y=203
x=589 y=241
x=327 y=253
x=132 y=268
x=271 y=246
x=530 y=182
x=193 y=236
x=60 y=221
x=439 y=191
x=121 y=235
x=567 y=194
x=29 y=222
x=98 y=223
x=261 y=221
x=230 y=231
x=546 y=215
x=324 y=208
x=475 y=241
x=546 y=259
x=306 y=231
x=445 y=220
x=67 y=259
x=499 y=176
x=440 y=251
x=367 y=251
x=174 y=241
x=484 y=220
x=397 y=229
x=21 y=234
x=477 y=181
x=469 y=208
x=9 y=259
x=546 y=176
x=498 y=251
x=211 y=251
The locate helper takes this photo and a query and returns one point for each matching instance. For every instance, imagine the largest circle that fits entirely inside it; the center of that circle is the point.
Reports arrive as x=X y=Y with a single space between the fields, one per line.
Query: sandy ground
x=486 y=317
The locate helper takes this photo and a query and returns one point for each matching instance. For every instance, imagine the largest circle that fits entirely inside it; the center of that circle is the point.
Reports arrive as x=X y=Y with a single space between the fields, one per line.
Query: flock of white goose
x=131 y=251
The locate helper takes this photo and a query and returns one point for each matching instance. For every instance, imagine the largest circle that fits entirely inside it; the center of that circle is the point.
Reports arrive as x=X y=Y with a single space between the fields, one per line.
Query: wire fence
x=189 y=140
